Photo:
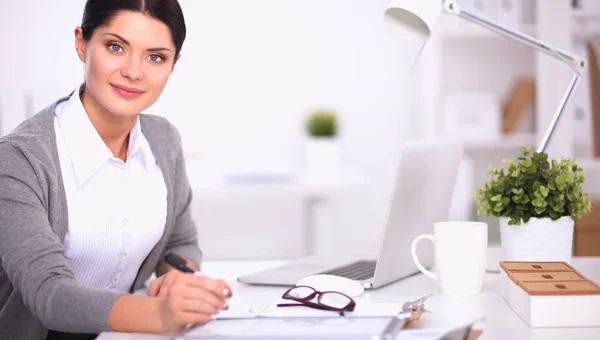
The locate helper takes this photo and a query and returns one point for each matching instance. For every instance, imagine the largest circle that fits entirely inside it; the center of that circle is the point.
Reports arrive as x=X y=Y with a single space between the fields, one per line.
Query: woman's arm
x=135 y=313
x=34 y=257
x=34 y=260
x=183 y=239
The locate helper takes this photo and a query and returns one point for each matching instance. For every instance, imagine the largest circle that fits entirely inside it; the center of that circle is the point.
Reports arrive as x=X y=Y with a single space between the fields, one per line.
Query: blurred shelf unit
x=464 y=60
x=510 y=142
x=578 y=14
x=585 y=24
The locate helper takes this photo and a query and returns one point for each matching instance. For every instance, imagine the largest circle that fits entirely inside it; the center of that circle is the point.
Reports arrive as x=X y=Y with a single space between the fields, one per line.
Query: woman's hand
x=162 y=285
x=187 y=298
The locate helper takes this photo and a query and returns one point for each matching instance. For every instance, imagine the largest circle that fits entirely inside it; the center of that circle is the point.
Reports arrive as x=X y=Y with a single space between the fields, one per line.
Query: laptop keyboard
x=359 y=270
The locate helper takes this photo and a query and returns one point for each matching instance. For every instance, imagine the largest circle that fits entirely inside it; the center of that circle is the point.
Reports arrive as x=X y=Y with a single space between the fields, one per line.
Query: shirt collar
x=88 y=151
x=139 y=143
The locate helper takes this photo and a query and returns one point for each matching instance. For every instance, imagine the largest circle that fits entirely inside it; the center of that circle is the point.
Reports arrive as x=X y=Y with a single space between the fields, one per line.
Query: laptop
x=422 y=192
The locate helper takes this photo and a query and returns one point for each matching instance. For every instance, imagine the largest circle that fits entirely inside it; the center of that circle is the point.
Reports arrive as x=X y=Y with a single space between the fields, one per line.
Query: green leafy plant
x=322 y=123
x=534 y=187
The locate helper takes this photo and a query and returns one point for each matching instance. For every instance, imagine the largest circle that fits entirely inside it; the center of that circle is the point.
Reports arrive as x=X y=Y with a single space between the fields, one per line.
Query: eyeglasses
x=329 y=300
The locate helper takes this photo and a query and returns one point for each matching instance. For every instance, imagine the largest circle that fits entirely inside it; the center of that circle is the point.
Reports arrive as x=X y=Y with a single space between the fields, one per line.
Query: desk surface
x=500 y=321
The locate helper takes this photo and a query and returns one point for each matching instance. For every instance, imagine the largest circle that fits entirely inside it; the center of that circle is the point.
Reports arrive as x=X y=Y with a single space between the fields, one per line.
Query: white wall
x=41 y=58
x=249 y=72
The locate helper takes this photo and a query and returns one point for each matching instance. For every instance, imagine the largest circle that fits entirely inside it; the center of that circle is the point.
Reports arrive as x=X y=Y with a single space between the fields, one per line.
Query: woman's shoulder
x=159 y=129
x=28 y=156
x=34 y=136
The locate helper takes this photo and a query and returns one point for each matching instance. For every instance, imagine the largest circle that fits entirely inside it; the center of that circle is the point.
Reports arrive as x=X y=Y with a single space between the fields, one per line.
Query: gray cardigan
x=38 y=290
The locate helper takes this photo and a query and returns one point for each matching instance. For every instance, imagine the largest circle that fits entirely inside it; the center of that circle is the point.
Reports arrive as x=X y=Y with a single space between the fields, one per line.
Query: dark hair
x=100 y=12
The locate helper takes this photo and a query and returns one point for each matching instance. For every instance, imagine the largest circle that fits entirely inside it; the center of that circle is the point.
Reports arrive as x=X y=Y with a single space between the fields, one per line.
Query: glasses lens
x=301 y=292
x=335 y=300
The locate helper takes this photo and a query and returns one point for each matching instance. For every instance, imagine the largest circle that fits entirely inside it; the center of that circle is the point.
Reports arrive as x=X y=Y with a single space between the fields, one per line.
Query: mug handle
x=413 y=251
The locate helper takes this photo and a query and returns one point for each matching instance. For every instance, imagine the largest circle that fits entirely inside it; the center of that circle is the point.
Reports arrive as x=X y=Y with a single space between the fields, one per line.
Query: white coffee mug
x=460 y=250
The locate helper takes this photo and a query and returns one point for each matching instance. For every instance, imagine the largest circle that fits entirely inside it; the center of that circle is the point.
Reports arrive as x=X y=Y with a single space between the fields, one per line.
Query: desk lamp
x=414 y=20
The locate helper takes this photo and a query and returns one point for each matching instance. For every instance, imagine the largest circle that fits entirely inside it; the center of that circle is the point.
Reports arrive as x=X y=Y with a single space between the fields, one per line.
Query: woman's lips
x=126 y=92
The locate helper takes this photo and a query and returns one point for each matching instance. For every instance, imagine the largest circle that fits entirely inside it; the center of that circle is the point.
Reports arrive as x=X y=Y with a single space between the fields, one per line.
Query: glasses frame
x=306 y=301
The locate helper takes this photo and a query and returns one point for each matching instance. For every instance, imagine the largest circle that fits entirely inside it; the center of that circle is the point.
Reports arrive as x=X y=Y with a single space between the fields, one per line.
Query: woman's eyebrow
x=118 y=37
x=154 y=49
x=158 y=49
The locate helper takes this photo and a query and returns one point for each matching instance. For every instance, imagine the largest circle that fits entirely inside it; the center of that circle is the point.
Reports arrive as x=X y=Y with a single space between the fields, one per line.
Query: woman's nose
x=132 y=69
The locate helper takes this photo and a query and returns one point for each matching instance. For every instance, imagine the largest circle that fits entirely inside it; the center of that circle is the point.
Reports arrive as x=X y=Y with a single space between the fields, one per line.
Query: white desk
x=501 y=322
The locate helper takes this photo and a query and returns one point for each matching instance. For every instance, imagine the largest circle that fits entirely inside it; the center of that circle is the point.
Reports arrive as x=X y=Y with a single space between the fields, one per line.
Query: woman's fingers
x=214 y=292
x=184 y=318
x=155 y=286
x=219 y=288
x=203 y=290
x=162 y=285
x=175 y=318
x=167 y=283
x=197 y=306
x=201 y=294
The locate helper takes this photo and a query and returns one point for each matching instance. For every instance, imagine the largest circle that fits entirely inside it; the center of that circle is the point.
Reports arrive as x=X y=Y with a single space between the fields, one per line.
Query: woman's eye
x=115 y=48
x=155 y=58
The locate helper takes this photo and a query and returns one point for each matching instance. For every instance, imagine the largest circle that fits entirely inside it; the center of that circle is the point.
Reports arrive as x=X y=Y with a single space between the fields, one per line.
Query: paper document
x=297 y=328
x=420 y=334
x=238 y=309
x=433 y=334
x=364 y=308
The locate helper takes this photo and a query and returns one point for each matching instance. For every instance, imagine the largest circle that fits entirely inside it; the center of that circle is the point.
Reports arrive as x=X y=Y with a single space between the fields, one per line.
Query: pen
x=179 y=263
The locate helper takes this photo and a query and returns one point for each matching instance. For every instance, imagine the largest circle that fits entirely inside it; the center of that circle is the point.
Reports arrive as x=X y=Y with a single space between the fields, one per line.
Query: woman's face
x=127 y=62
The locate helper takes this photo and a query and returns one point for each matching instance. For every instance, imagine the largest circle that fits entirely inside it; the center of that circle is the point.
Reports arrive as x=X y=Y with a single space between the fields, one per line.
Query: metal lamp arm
x=576 y=64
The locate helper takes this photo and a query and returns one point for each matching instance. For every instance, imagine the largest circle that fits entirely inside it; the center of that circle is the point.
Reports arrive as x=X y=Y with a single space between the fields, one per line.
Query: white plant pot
x=323 y=157
x=540 y=239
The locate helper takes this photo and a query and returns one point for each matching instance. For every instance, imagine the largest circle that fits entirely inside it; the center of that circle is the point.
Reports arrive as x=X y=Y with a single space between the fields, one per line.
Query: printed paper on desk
x=238 y=309
x=294 y=328
x=432 y=334
x=364 y=308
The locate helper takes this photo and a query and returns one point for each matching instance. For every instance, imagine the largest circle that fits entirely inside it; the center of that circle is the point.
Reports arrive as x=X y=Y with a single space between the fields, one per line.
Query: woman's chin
x=124 y=109
x=124 y=112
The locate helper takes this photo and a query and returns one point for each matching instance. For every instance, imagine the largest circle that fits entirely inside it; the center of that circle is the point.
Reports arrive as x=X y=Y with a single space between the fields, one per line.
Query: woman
x=94 y=194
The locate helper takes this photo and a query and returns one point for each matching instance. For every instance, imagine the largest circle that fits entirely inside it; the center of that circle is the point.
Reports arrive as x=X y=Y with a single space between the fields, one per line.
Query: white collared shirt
x=117 y=210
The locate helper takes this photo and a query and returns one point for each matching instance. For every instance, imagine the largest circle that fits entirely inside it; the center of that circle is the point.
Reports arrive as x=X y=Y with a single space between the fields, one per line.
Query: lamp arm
x=576 y=64
x=559 y=111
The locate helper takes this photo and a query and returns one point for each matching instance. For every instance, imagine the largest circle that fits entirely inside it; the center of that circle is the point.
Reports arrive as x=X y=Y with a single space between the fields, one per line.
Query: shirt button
x=125 y=221
x=123 y=255
x=114 y=280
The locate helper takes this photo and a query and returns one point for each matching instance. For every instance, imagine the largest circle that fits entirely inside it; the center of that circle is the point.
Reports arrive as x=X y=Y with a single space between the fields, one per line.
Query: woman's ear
x=80 y=44
x=175 y=61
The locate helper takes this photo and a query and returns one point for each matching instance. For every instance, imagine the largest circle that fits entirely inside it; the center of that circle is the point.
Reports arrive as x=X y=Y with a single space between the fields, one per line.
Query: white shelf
x=585 y=24
x=585 y=15
x=512 y=141
x=588 y=33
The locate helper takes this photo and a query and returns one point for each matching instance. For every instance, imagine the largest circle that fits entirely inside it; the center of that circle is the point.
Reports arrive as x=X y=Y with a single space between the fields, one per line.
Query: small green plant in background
x=534 y=187
x=322 y=123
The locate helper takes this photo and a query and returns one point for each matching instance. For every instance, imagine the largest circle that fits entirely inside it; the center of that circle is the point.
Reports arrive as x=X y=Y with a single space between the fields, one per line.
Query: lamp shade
x=413 y=19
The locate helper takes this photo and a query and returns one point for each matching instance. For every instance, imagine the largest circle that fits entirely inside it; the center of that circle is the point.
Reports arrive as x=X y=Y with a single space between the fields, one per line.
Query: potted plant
x=537 y=203
x=322 y=147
